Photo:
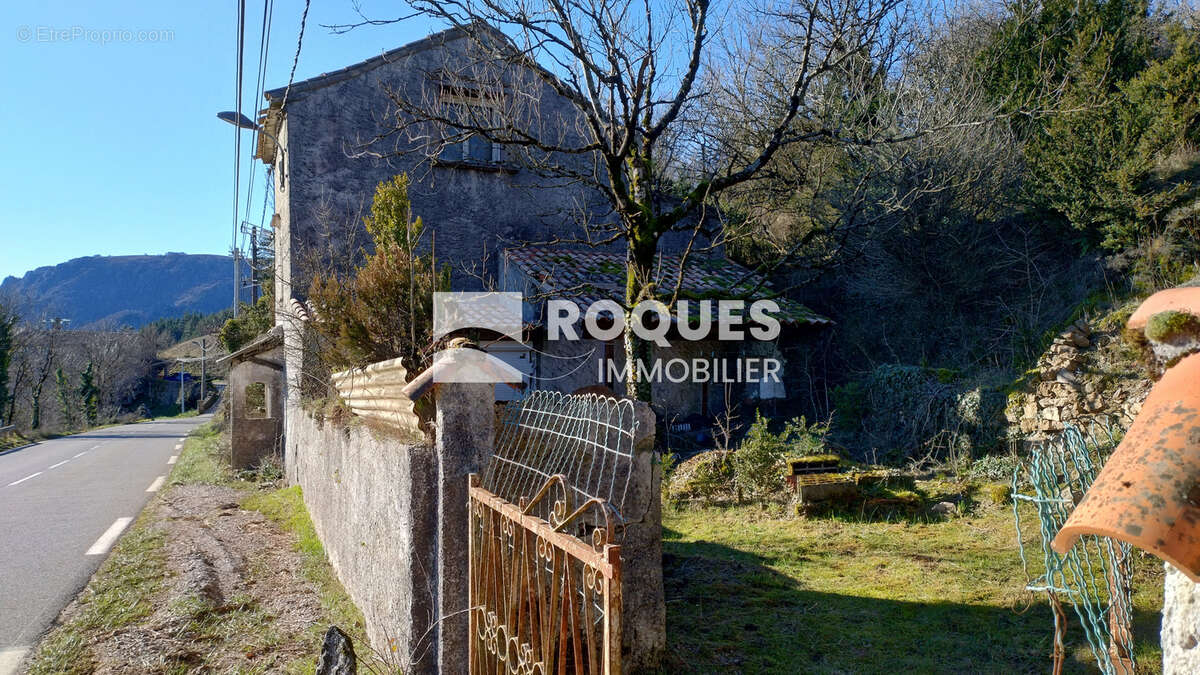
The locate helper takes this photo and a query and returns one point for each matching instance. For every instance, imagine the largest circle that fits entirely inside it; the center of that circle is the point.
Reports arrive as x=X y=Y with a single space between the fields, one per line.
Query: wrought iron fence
x=586 y=439
x=545 y=568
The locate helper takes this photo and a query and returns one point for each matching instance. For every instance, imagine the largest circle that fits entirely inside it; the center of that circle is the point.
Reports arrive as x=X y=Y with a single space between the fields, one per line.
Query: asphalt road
x=63 y=503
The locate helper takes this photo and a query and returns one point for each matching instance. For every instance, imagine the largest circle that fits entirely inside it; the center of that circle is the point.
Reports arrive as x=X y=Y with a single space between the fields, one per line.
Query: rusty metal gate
x=545 y=524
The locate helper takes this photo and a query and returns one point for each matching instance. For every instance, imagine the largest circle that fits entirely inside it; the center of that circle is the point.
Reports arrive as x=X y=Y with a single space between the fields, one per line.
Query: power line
x=260 y=79
x=237 y=151
x=296 y=58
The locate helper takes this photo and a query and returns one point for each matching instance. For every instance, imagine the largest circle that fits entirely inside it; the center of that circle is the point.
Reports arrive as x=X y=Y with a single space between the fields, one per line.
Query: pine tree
x=6 y=334
x=89 y=395
x=64 y=398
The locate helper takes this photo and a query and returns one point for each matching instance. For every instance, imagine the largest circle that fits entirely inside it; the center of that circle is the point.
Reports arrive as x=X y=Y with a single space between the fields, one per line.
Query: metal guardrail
x=375 y=392
x=8 y=429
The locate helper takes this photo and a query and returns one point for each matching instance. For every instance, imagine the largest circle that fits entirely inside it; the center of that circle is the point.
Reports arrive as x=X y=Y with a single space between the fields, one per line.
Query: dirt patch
x=234 y=598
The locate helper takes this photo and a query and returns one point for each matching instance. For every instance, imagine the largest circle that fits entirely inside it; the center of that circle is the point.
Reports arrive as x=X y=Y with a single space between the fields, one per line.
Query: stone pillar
x=644 y=609
x=465 y=430
x=1180 y=623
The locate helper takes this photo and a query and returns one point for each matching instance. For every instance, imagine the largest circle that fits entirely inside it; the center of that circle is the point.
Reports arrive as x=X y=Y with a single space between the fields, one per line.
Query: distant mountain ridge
x=128 y=290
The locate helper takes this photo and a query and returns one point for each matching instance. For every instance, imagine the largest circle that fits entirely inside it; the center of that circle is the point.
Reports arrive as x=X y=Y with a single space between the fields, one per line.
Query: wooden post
x=612 y=612
x=1120 y=633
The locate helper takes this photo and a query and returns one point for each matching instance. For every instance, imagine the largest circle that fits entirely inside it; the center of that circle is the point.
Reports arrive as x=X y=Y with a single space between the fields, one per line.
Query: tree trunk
x=639 y=285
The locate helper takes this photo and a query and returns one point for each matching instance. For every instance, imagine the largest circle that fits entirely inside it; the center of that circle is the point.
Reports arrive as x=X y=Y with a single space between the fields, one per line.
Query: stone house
x=587 y=276
x=338 y=140
x=333 y=138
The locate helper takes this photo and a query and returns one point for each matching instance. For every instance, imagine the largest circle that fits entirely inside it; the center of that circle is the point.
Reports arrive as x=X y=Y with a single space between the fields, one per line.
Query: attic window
x=475 y=110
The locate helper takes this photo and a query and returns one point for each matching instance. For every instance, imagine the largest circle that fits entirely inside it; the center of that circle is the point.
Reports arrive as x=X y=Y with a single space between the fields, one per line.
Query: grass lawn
x=754 y=590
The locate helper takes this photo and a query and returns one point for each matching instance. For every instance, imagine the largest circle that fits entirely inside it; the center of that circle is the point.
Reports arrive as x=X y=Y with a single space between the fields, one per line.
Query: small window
x=256 y=401
x=478 y=149
x=475 y=109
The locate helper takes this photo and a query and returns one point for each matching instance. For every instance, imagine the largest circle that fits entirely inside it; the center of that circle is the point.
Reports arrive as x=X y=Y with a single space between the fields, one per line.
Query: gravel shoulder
x=217 y=575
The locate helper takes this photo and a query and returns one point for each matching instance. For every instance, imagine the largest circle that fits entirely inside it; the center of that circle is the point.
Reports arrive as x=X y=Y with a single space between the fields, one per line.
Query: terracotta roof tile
x=588 y=275
x=1180 y=299
x=1148 y=494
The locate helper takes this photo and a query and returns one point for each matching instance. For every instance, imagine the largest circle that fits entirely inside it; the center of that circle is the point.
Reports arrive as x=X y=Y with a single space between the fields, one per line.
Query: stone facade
x=1180 y=624
x=1067 y=387
x=338 y=143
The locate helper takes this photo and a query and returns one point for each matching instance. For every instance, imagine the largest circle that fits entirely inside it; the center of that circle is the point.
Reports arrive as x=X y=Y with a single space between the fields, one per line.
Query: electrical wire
x=237 y=134
x=296 y=58
x=259 y=82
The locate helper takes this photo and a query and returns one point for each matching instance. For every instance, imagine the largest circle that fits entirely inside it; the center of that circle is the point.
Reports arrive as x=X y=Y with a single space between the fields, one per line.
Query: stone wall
x=1080 y=380
x=1180 y=623
x=393 y=520
x=370 y=502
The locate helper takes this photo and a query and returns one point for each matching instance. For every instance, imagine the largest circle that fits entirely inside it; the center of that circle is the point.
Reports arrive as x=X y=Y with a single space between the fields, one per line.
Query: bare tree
x=668 y=104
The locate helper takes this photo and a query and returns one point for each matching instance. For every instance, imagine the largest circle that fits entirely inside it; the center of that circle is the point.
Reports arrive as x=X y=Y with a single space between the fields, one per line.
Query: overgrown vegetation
x=8 y=324
x=758 y=462
x=1123 y=97
x=54 y=380
x=203 y=459
x=251 y=322
x=753 y=471
x=382 y=308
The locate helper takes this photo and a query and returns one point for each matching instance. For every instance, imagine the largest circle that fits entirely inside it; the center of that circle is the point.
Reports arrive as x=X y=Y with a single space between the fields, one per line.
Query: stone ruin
x=1068 y=386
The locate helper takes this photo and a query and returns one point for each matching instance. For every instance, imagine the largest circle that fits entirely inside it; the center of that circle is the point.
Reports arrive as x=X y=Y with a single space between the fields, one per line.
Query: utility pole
x=203 y=342
x=253 y=265
x=181 y=399
x=253 y=234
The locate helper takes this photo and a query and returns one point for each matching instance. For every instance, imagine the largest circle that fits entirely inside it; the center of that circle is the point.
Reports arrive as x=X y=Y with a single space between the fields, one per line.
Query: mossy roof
x=589 y=275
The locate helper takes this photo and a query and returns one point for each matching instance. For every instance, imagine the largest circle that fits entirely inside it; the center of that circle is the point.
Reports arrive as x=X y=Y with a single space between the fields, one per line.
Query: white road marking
x=179 y=446
x=95 y=446
x=156 y=484
x=181 y=438
x=18 y=482
x=10 y=658
x=79 y=454
x=174 y=458
x=55 y=466
x=110 y=535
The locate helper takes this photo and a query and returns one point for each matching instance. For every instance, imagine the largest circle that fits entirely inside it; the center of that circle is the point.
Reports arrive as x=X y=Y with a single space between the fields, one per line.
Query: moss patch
x=1172 y=325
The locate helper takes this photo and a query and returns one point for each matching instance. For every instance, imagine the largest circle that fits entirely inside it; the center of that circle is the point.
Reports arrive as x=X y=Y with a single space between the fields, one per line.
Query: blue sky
x=114 y=148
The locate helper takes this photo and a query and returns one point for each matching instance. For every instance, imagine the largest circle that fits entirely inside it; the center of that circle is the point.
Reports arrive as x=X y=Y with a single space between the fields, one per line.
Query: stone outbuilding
x=255 y=392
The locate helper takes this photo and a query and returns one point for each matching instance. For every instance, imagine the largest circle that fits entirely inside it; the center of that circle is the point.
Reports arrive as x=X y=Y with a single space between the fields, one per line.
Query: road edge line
x=106 y=540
